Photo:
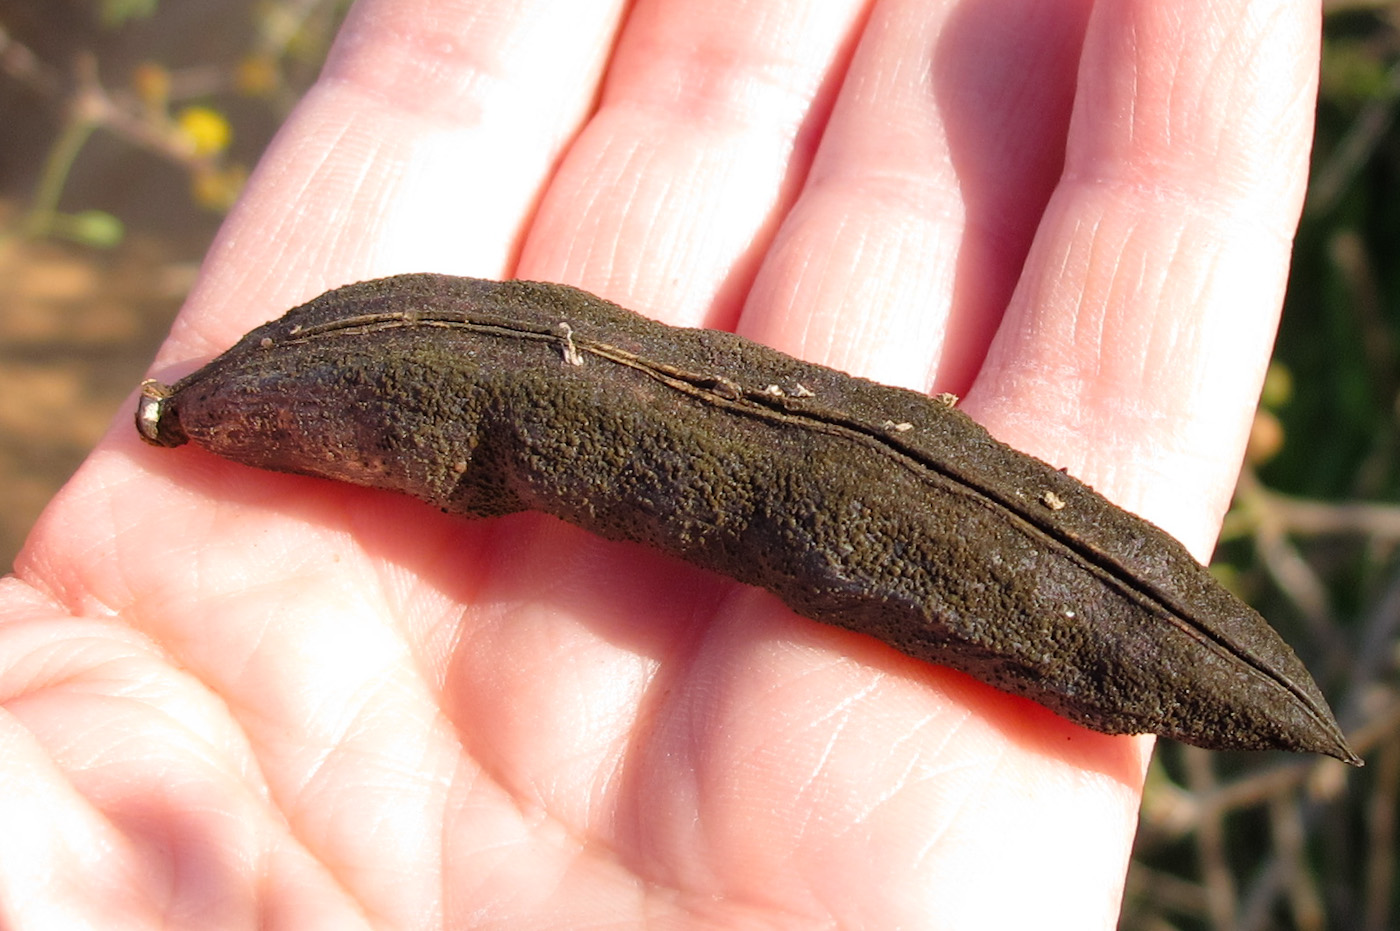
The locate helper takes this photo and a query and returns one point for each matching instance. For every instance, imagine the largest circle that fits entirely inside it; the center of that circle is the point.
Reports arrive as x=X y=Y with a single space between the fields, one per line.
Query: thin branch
x=1380 y=824
x=1371 y=126
x=1222 y=903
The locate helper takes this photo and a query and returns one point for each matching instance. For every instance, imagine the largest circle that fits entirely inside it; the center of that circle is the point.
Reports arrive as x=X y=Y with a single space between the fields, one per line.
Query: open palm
x=237 y=698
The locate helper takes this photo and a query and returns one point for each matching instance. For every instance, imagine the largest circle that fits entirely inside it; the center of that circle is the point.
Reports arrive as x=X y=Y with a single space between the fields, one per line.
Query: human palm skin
x=237 y=698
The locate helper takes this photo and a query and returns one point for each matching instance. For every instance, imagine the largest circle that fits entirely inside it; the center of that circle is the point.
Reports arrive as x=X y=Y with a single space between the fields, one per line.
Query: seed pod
x=873 y=508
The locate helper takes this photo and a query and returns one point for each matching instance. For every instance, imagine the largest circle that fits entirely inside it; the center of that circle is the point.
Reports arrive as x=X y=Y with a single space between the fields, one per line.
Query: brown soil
x=77 y=330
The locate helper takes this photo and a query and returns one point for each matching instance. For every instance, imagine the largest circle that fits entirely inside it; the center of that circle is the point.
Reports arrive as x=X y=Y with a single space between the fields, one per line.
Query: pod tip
x=156 y=421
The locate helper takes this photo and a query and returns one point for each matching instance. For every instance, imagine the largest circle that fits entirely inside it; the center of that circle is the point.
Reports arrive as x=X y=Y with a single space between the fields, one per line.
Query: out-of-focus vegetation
x=131 y=124
x=183 y=114
x=1251 y=841
x=129 y=128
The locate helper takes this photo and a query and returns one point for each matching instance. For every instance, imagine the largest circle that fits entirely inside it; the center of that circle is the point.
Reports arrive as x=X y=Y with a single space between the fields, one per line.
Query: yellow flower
x=206 y=130
x=151 y=81
x=257 y=76
x=217 y=188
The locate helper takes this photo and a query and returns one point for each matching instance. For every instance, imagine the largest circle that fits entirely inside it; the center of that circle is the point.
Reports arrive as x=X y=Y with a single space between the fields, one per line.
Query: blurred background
x=128 y=126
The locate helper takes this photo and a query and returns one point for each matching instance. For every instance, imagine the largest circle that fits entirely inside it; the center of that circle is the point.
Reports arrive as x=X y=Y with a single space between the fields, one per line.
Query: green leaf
x=116 y=12
x=95 y=228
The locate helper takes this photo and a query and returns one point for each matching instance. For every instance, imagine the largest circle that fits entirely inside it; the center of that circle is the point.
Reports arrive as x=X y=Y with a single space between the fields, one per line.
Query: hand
x=237 y=697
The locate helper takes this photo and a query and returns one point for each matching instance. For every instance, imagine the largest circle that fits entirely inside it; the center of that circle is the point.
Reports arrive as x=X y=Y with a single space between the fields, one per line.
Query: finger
x=423 y=146
x=1135 y=345
x=705 y=126
x=901 y=252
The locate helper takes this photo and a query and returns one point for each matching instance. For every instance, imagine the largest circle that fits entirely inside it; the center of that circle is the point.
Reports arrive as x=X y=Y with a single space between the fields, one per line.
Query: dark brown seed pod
x=869 y=507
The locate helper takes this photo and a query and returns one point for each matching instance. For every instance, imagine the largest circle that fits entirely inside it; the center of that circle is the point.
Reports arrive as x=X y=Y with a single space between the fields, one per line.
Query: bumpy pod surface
x=873 y=508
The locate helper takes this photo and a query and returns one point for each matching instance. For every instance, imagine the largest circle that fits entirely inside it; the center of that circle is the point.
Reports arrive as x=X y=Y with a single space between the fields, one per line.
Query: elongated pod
x=873 y=508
